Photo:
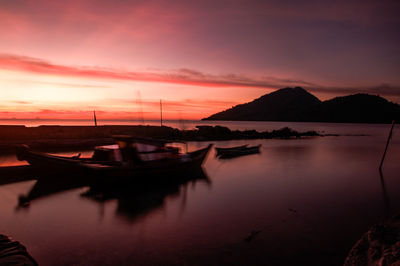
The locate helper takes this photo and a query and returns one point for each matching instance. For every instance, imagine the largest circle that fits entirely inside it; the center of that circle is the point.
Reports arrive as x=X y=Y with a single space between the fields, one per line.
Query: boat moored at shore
x=131 y=159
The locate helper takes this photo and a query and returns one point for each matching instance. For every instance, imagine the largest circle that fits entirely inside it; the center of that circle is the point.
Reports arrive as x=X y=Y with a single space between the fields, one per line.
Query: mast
x=94 y=117
x=161 y=112
x=140 y=108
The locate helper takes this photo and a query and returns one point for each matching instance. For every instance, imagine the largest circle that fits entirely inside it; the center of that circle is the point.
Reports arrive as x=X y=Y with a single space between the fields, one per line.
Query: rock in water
x=379 y=246
x=14 y=253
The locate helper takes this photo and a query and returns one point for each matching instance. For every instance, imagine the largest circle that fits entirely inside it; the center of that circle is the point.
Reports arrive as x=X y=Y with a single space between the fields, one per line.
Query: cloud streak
x=117 y=109
x=172 y=106
x=181 y=76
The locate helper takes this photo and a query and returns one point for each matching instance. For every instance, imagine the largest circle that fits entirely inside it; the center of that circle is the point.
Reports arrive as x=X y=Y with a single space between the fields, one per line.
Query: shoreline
x=86 y=137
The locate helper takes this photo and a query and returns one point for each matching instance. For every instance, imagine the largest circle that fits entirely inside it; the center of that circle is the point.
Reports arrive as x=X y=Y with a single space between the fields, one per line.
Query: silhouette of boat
x=131 y=159
x=222 y=150
x=225 y=153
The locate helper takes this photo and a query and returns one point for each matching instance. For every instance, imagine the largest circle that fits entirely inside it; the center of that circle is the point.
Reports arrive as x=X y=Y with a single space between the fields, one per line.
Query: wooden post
x=94 y=117
x=140 y=108
x=161 y=112
x=387 y=145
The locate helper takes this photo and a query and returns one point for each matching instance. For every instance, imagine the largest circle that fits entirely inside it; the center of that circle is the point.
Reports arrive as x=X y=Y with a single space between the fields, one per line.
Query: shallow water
x=328 y=128
x=307 y=201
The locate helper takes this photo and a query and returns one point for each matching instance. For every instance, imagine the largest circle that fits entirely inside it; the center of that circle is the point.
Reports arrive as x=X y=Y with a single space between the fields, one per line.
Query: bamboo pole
x=161 y=112
x=387 y=145
x=94 y=117
x=140 y=108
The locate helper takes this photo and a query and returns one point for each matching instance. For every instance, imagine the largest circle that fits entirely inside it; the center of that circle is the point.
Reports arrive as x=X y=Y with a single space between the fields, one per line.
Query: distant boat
x=222 y=150
x=131 y=159
x=225 y=153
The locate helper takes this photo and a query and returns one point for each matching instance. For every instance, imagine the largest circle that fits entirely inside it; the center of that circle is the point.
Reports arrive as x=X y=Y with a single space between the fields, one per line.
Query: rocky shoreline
x=86 y=137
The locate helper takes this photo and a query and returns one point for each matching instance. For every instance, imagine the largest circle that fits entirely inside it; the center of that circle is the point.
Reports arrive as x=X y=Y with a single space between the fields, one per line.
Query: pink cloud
x=183 y=77
x=187 y=109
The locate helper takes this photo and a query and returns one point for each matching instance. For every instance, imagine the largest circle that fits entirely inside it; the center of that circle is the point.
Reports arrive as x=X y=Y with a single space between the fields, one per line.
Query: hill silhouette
x=298 y=105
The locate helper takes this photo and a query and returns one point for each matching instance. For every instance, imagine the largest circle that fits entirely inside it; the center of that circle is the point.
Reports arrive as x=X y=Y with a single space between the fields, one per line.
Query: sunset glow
x=63 y=60
x=200 y=132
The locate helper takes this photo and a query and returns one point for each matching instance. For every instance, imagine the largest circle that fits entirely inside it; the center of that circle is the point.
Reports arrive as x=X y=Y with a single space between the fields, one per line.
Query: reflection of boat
x=132 y=158
x=135 y=202
x=48 y=185
x=237 y=151
x=12 y=174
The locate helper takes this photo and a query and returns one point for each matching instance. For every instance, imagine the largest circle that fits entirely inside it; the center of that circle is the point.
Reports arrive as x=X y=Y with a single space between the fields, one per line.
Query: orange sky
x=64 y=59
x=68 y=93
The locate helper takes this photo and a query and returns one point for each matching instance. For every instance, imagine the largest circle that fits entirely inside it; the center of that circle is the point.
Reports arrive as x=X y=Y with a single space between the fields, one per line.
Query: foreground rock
x=14 y=253
x=379 y=246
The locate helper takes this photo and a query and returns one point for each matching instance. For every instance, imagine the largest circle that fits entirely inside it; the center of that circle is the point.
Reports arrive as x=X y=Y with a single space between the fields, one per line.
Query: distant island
x=298 y=105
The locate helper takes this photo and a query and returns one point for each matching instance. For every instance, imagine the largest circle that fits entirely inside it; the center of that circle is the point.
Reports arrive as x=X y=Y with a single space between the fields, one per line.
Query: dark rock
x=14 y=253
x=379 y=246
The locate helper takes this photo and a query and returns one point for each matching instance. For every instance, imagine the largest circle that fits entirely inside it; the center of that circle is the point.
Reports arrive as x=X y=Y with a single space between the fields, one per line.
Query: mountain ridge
x=298 y=105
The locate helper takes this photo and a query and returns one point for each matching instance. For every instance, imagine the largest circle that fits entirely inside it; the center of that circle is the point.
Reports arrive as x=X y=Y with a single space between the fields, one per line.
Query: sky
x=64 y=59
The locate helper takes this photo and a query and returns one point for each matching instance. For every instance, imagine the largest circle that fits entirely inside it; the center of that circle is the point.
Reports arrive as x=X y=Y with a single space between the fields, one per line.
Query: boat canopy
x=107 y=153
x=145 y=149
x=134 y=140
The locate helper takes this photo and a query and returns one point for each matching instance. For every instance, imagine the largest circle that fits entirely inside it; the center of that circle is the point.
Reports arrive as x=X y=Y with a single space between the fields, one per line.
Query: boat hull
x=47 y=163
x=156 y=171
x=232 y=153
x=162 y=171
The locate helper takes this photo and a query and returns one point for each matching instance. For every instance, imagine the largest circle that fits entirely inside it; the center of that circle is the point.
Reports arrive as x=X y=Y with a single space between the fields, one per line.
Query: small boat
x=225 y=153
x=130 y=159
x=222 y=150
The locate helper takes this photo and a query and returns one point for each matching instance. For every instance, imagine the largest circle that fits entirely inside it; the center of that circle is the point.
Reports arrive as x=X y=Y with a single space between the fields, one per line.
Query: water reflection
x=47 y=185
x=386 y=199
x=13 y=174
x=135 y=202
x=303 y=201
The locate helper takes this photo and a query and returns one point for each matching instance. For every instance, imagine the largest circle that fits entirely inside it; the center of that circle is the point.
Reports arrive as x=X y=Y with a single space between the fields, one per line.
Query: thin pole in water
x=161 y=112
x=140 y=108
x=387 y=145
x=94 y=117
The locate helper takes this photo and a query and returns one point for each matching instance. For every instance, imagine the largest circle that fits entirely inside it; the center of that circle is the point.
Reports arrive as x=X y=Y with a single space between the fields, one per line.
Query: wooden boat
x=238 y=151
x=222 y=150
x=132 y=158
x=162 y=171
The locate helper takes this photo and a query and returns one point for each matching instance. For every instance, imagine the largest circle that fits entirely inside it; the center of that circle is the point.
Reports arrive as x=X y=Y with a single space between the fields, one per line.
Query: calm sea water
x=304 y=201
x=331 y=128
